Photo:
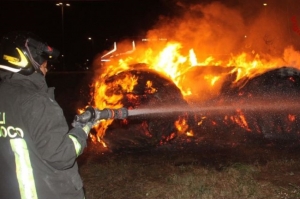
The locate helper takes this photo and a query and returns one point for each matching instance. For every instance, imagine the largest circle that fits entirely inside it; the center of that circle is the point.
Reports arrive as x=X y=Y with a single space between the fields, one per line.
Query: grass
x=206 y=172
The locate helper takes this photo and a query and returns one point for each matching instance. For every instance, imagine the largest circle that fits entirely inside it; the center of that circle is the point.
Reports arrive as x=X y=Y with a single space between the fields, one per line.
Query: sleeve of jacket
x=49 y=130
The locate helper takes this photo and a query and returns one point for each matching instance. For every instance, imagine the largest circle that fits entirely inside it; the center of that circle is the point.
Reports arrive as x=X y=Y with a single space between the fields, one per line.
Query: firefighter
x=38 y=150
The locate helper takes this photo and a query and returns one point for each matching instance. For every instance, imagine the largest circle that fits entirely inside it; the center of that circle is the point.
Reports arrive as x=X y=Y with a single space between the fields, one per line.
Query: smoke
x=215 y=28
x=223 y=29
x=220 y=30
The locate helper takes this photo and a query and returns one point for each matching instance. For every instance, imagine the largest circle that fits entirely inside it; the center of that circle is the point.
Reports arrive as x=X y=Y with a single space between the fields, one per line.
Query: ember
x=206 y=60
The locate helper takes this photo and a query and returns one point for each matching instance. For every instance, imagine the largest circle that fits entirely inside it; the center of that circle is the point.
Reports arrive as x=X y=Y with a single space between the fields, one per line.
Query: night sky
x=104 y=21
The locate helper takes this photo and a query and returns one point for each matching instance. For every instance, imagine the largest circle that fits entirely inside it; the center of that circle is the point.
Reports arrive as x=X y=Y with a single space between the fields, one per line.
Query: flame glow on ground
x=211 y=35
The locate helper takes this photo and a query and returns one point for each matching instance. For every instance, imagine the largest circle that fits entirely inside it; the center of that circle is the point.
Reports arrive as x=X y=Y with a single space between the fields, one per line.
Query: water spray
x=94 y=114
x=254 y=105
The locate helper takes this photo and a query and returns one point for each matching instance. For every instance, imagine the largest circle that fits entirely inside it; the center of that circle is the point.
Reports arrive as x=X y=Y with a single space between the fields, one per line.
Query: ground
x=208 y=171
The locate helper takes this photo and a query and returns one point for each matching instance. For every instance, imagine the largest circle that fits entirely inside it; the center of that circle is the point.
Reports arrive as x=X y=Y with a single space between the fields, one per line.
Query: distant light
x=159 y=39
x=245 y=36
x=90 y=38
x=87 y=60
x=61 y=4
x=265 y=4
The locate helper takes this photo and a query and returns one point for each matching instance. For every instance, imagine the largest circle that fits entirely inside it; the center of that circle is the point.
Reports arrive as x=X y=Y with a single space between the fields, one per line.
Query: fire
x=291 y=117
x=106 y=98
x=198 y=71
x=171 y=63
x=150 y=89
x=182 y=126
x=240 y=119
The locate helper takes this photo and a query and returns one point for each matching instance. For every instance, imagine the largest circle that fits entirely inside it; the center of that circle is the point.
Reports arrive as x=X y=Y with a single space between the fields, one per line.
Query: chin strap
x=35 y=64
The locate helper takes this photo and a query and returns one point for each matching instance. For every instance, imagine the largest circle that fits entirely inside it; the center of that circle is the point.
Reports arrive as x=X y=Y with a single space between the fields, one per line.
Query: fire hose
x=92 y=114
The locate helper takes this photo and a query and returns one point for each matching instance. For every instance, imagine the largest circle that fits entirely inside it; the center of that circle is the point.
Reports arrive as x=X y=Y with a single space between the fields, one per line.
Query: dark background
x=104 y=21
x=109 y=21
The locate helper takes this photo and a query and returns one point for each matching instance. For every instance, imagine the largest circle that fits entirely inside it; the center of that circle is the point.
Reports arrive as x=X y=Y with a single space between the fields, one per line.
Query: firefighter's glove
x=77 y=124
x=89 y=115
x=86 y=120
x=85 y=126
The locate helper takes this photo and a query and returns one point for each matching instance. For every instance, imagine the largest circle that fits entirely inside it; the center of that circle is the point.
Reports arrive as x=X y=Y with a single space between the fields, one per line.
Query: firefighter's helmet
x=24 y=52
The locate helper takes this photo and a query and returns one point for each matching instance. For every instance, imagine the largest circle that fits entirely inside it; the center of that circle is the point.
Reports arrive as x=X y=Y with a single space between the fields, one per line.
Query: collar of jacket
x=34 y=80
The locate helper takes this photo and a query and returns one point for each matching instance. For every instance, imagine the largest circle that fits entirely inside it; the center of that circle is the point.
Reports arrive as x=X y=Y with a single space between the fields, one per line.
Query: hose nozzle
x=92 y=114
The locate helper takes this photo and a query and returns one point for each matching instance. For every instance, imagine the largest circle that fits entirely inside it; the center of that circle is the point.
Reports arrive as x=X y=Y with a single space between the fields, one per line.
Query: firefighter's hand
x=88 y=116
x=85 y=126
x=86 y=120
x=78 y=124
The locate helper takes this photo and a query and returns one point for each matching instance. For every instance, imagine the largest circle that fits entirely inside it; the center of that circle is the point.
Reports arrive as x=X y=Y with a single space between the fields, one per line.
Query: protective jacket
x=37 y=150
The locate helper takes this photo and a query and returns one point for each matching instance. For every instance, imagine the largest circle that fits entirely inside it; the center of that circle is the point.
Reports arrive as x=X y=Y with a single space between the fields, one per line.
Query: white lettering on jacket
x=11 y=132
x=2 y=118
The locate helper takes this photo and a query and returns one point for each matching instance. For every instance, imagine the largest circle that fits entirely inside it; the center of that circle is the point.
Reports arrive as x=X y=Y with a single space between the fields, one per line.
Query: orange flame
x=292 y=117
x=198 y=56
x=182 y=126
x=240 y=119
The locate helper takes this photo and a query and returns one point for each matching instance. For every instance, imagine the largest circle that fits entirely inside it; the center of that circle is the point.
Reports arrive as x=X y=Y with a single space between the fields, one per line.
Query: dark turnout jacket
x=37 y=150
